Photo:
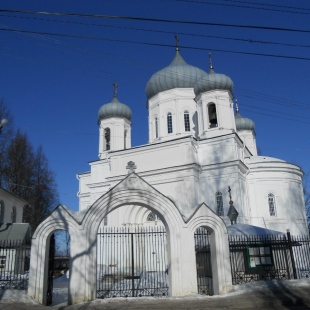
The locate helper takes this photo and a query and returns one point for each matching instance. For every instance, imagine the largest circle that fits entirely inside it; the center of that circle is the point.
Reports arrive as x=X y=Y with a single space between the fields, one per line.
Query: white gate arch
x=83 y=228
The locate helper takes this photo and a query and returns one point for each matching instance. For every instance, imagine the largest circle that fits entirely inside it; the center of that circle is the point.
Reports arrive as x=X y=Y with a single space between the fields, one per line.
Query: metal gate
x=49 y=297
x=132 y=262
x=203 y=262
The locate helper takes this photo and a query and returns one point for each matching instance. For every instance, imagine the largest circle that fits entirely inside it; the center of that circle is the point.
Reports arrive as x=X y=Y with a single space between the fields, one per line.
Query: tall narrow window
x=156 y=127
x=169 y=122
x=107 y=136
x=219 y=204
x=125 y=137
x=272 y=204
x=1 y=212
x=13 y=215
x=186 y=121
x=212 y=115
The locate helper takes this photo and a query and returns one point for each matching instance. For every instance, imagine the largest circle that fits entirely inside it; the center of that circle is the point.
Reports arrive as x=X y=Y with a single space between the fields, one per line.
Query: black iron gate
x=203 y=262
x=132 y=263
x=49 y=297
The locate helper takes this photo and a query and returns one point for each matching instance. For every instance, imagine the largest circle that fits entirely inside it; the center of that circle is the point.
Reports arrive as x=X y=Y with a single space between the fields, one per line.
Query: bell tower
x=214 y=104
x=114 y=119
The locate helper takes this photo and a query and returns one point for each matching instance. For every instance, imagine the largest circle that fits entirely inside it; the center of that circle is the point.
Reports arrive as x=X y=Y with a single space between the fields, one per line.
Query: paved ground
x=271 y=295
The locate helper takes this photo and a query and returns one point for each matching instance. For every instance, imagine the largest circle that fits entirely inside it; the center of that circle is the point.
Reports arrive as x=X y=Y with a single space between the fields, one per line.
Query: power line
x=268 y=4
x=244 y=6
x=154 y=44
x=256 y=95
x=159 y=31
x=146 y=19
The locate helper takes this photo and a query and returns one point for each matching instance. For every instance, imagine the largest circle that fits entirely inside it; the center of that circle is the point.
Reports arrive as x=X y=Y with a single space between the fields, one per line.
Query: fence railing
x=14 y=264
x=268 y=257
x=252 y=258
x=301 y=253
x=132 y=262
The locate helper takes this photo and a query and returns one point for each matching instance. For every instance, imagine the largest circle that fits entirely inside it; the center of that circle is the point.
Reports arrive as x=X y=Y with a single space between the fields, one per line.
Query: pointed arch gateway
x=83 y=229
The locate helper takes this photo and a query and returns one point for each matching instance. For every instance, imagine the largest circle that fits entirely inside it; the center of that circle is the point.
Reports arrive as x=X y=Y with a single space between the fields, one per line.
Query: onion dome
x=243 y=123
x=213 y=81
x=114 y=108
x=178 y=74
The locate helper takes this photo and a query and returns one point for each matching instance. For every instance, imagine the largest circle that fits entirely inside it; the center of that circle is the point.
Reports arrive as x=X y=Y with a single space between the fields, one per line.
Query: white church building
x=155 y=219
x=197 y=148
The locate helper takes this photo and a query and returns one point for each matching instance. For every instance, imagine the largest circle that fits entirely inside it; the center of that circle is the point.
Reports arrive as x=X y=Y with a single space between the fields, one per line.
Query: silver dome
x=114 y=109
x=243 y=123
x=212 y=81
x=178 y=74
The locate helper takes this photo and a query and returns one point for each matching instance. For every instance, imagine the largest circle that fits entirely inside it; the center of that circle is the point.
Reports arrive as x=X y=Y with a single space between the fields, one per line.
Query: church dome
x=243 y=123
x=212 y=81
x=114 y=109
x=178 y=74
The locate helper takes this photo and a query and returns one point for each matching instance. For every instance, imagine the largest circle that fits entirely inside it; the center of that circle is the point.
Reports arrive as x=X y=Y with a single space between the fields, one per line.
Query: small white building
x=14 y=236
x=11 y=207
x=197 y=148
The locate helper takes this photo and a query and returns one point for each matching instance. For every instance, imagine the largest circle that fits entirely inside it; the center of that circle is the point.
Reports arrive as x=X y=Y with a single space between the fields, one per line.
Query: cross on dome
x=229 y=191
x=237 y=106
x=210 y=59
x=176 y=43
x=115 y=89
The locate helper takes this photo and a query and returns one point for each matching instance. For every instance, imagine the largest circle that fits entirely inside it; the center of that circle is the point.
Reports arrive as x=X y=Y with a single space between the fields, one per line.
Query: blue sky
x=55 y=85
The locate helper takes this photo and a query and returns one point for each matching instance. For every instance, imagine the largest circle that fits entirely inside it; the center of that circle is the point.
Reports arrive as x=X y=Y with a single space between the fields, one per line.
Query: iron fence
x=14 y=264
x=301 y=253
x=268 y=257
x=132 y=262
x=203 y=262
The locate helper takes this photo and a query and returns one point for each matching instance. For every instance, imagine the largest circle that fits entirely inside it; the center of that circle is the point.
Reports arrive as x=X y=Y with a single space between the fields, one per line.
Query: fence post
x=291 y=253
x=132 y=266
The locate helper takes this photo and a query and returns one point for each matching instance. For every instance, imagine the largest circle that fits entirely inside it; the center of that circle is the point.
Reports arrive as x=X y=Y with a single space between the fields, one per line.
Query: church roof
x=261 y=159
x=15 y=232
x=250 y=230
x=114 y=108
x=243 y=123
x=178 y=74
x=213 y=81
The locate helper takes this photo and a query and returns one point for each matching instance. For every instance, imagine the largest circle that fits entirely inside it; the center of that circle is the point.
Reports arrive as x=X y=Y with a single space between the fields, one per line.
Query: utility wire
x=154 y=44
x=252 y=95
x=159 y=31
x=244 y=6
x=268 y=4
x=145 y=19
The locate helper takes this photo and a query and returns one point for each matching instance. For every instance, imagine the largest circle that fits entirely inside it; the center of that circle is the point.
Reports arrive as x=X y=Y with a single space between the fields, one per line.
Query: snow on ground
x=11 y=296
x=60 y=294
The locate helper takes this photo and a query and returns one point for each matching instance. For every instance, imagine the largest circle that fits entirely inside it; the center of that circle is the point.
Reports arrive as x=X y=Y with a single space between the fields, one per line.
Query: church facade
x=199 y=172
x=198 y=147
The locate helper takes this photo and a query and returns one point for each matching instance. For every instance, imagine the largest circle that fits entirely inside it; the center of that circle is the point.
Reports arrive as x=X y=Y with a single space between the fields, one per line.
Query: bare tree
x=6 y=136
x=25 y=172
x=44 y=195
x=18 y=166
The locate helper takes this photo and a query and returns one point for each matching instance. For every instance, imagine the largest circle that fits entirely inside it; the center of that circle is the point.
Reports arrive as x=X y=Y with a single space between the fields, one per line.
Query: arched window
x=156 y=127
x=169 y=122
x=107 y=136
x=212 y=115
x=219 y=204
x=152 y=217
x=1 y=212
x=125 y=137
x=272 y=205
x=187 y=125
x=13 y=215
